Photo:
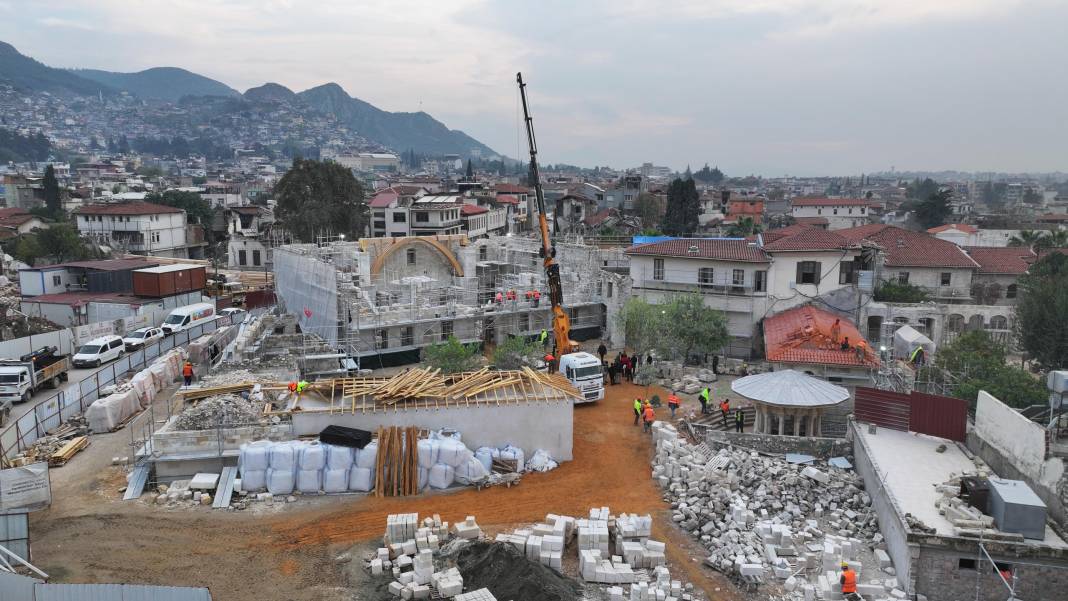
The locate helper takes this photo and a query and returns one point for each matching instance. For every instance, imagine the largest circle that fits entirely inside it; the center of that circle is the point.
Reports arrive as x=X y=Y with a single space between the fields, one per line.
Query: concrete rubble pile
x=221 y=410
x=761 y=517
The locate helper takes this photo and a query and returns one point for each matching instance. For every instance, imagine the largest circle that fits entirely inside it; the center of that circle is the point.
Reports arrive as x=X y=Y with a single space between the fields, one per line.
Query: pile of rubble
x=221 y=410
x=762 y=517
x=46 y=446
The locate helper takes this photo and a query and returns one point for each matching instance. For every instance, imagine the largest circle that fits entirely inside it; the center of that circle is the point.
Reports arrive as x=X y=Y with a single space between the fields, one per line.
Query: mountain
x=26 y=74
x=270 y=92
x=162 y=83
x=399 y=131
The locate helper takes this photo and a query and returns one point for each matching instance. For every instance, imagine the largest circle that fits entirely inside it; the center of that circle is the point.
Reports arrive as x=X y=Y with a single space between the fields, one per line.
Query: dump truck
x=20 y=378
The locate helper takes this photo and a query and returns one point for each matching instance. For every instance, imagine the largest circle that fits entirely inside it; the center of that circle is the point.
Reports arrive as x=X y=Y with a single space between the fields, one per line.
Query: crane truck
x=583 y=370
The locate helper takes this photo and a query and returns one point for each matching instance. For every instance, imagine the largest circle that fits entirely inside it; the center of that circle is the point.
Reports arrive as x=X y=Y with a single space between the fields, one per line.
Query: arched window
x=1010 y=291
x=999 y=322
x=955 y=323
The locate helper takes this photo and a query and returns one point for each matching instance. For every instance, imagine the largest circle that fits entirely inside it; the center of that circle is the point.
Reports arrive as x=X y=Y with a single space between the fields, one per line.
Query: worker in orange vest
x=673 y=403
x=511 y=295
x=849 y=583
x=550 y=362
x=649 y=416
x=537 y=298
x=725 y=409
x=292 y=388
x=187 y=373
x=499 y=298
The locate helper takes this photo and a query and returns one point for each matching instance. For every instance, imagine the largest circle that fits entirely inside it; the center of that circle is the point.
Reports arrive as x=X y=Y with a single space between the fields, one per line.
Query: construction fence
x=931 y=414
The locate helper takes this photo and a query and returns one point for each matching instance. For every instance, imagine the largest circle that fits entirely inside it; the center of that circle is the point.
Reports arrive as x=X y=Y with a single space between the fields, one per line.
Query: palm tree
x=1053 y=239
x=743 y=227
x=1028 y=238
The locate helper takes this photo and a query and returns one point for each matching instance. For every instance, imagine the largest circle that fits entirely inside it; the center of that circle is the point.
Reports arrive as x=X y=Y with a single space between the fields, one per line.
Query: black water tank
x=976 y=491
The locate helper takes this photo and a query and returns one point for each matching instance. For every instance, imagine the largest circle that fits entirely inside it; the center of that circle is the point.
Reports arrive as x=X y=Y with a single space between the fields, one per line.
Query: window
x=903 y=277
x=850 y=210
x=1010 y=291
x=609 y=290
x=738 y=277
x=847 y=273
x=861 y=210
x=819 y=211
x=808 y=272
x=255 y=257
x=524 y=322
x=406 y=336
x=446 y=330
x=835 y=211
x=760 y=281
x=705 y=277
x=422 y=217
x=411 y=256
x=947 y=277
x=400 y=218
x=380 y=214
x=483 y=253
x=241 y=259
x=155 y=236
x=57 y=280
x=658 y=269
x=382 y=339
x=380 y=225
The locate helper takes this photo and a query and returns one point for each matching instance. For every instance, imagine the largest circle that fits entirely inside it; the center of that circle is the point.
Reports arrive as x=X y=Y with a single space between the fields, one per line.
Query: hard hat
x=845 y=565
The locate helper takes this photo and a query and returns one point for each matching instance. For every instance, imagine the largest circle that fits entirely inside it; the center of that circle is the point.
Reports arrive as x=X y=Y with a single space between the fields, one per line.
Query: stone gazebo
x=789 y=402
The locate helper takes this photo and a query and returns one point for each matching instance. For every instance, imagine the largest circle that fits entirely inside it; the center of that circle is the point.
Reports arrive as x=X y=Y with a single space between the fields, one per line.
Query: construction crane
x=582 y=369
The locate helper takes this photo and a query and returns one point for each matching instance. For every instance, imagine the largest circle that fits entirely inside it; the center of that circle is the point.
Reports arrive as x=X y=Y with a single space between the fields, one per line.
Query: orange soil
x=611 y=467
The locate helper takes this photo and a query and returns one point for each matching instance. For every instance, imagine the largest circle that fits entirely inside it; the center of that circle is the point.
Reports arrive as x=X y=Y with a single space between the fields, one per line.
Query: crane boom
x=562 y=342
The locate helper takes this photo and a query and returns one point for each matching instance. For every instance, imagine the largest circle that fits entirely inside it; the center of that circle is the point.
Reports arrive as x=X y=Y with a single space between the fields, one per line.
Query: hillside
x=24 y=73
x=162 y=83
x=270 y=92
x=400 y=131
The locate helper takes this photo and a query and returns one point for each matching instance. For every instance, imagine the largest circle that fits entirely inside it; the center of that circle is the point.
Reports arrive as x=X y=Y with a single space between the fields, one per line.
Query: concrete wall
x=1016 y=437
x=529 y=426
x=823 y=448
x=941 y=577
x=784 y=271
x=890 y=521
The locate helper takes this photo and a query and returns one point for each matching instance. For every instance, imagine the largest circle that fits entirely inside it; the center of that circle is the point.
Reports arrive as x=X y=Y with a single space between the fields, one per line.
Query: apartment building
x=840 y=213
x=141 y=228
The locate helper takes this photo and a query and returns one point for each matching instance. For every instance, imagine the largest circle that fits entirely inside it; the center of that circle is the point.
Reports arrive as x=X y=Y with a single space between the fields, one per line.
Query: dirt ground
x=90 y=535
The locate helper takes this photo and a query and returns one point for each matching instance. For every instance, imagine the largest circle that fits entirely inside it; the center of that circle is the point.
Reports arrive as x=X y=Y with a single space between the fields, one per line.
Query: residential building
x=19 y=221
x=742 y=207
x=389 y=210
x=140 y=228
x=841 y=213
x=249 y=230
x=995 y=281
x=960 y=234
x=481 y=221
x=222 y=194
x=437 y=214
x=574 y=208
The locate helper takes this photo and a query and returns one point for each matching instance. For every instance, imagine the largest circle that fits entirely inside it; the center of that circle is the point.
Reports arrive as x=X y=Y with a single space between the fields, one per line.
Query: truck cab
x=585 y=373
x=20 y=378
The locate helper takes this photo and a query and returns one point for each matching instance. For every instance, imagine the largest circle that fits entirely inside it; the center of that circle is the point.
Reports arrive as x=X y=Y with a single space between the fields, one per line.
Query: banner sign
x=25 y=488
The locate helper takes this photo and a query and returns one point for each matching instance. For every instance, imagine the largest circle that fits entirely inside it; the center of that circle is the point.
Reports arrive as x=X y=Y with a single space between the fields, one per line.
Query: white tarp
x=105 y=414
x=25 y=488
x=906 y=339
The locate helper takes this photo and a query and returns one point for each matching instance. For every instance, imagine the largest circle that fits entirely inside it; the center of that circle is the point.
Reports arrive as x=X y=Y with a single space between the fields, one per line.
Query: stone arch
x=955 y=323
x=998 y=322
x=975 y=322
x=380 y=260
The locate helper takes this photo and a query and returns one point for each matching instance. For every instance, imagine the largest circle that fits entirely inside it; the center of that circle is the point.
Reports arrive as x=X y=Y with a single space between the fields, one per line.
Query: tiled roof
x=725 y=249
x=383 y=199
x=808 y=238
x=830 y=202
x=803 y=335
x=507 y=199
x=470 y=209
x=5 y=213
x=126 y=208
x=1009 y=260
x=1053 y=218
x=511 y=189
x=960 y=227
x=904 y=248
x=408 y=190
x=17 y=220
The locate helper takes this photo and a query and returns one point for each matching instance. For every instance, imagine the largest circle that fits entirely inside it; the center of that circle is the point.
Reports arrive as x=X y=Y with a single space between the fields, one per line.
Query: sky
x=768 y=87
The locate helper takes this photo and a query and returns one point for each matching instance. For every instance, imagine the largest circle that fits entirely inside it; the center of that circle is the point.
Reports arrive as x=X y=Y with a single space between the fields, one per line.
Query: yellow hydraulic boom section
x=562 y=343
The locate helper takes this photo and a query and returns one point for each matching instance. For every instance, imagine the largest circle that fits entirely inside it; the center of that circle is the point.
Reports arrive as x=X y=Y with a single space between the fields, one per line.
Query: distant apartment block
x=840 y=213
x=141 y=228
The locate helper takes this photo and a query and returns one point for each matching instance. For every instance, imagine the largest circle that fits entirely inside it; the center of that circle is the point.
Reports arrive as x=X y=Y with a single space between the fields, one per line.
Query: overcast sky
x=771 y=87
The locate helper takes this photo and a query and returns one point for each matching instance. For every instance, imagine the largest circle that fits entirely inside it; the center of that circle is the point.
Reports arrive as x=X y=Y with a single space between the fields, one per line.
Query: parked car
x=142 y=337
x=98 y=351
x=186 y=317
x=236 y=314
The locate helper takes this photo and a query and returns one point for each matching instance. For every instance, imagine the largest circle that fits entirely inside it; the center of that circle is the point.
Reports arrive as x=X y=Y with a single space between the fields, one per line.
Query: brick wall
x=940 y=577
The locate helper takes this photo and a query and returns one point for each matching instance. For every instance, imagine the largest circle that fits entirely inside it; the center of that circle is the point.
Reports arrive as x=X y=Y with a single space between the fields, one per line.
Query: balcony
x=722 y=296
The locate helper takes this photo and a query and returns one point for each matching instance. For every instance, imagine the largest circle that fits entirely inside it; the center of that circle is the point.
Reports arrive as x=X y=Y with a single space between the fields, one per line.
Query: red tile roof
x=511 y=189
x=724 y=249
x=831 y=202
x=803 y=335
x=17 y=220
x=507 y=199
x=470 y=209
x=904 y=248
x=1010 y=260
x=5 y=213
x=961 y=227
x=808 y=238
x=383 y=199
x=126 y=208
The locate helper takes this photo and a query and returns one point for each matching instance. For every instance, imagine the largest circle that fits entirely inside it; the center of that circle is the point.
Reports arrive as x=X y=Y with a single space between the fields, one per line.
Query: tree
x=197 y=209
x=974 y=362
x=743 y=227
x=690 y=327
x=1028 y=238
x=1042 y=311
x=640 y=322
x=710 y=176
x=51 y=192
x=1053 y=239
x=900 y=292
x=683 y=209
x=647 y=209
x=516 y=352
x=451 y=356
x=470 y=175
x=319 y=198
x=57 y=244
x=922 y=190
x=933 y=211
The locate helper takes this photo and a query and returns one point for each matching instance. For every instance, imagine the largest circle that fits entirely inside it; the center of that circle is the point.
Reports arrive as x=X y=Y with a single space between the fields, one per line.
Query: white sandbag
x=312 y=457
x=283 y=456
x=338 y=457
x=424 y=478
x=368 y=456
x=253 y=480
x=485 y=456
x=541 y=461
x=452 y=452
x=105 y=414
x=471 y=471
x=254 y=456
x=428 y=453
x=309 y=481
x=361 y=479
x=510 y=453
x=441 y=476
x=279 y=482
x=335 y=480
x=446 y=434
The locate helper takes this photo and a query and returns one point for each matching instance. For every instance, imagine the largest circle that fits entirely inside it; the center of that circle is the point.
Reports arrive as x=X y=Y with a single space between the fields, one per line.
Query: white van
x=99 y=351
x=188 y=316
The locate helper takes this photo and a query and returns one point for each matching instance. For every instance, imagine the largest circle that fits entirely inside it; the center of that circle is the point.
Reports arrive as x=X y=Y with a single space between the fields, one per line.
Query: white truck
x=585 y=373
x=20 y=378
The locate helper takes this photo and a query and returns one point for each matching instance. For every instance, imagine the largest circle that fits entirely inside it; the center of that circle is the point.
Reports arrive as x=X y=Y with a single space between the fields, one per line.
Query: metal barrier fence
x=77 y=397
